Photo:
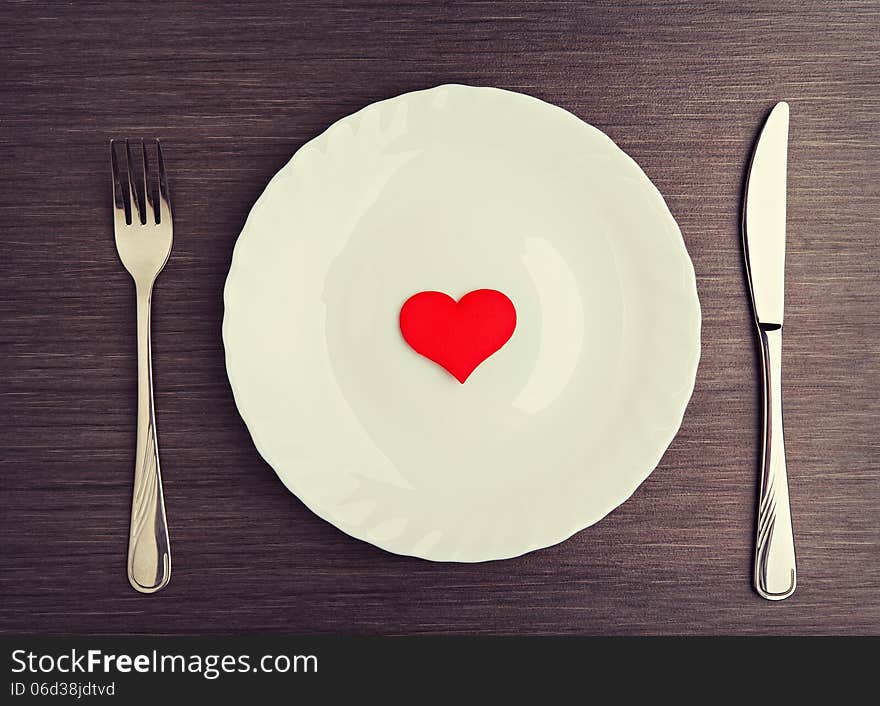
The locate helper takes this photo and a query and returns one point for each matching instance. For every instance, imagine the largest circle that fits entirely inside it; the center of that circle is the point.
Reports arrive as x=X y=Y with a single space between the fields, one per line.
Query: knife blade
x=764 y=212
x=764 y=221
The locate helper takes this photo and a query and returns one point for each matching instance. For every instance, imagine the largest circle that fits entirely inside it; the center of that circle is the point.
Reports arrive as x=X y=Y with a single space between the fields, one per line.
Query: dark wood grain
x=234 y=89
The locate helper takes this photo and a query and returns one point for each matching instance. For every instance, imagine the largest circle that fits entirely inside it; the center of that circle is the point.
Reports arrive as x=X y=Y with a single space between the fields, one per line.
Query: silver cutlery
x=764 y=244
x=143 y=229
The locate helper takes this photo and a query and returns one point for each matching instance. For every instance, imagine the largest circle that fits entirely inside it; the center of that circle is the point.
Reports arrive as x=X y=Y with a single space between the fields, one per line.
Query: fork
x=143 y=231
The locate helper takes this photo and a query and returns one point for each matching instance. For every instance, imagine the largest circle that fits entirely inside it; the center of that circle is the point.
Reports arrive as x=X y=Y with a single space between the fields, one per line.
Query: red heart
x=458 y=335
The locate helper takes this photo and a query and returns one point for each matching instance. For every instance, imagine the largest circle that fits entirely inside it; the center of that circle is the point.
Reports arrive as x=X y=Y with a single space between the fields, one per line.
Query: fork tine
x=164 y=197
x=134 y=190
x=149 y=194
x=120 y=208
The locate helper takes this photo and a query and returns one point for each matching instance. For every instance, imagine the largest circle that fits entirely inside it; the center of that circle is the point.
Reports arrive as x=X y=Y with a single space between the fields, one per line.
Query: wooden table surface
x=234 y=89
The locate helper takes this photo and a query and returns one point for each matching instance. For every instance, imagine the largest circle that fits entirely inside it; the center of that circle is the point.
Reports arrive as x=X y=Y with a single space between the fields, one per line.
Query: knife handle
x=775 y=570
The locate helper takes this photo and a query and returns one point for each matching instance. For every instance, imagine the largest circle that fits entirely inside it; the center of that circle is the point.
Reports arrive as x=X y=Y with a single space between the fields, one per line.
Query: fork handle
x=149 y=551
x=775 y=569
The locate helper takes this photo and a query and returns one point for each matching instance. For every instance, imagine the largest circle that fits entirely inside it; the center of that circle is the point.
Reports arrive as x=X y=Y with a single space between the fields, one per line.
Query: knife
x=763 y=230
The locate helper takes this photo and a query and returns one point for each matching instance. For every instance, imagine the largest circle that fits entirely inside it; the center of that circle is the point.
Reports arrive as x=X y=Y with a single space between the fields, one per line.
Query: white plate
x=455 y=189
